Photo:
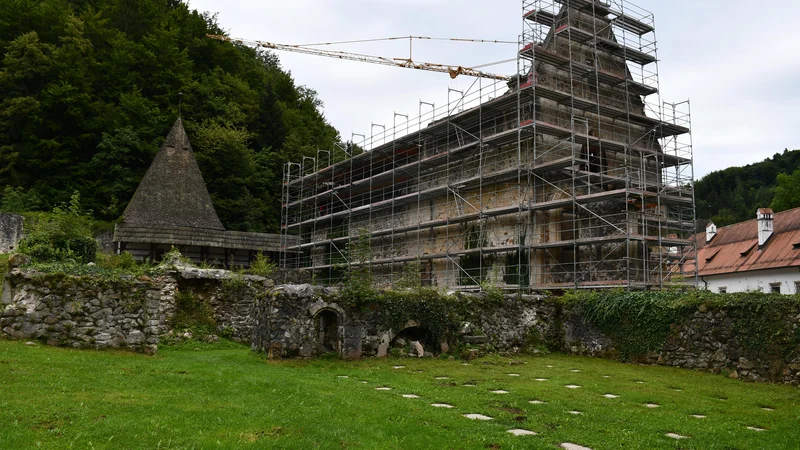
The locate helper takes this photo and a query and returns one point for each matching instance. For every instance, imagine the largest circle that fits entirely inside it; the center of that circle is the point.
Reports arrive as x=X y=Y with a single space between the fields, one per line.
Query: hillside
x=734 y=194
x=89 y=90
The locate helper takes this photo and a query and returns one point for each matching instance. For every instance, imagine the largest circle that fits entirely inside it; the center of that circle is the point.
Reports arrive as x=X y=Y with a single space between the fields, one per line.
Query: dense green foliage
x=787 y=192
x=60 y=398
x=734 y=194
x=89 y=90
x=65 y=236
x=638 y=322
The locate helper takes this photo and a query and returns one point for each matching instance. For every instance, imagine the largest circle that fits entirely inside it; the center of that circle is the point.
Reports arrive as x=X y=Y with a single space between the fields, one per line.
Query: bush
x=124 y=261
x=262 y=266
x=63 y=236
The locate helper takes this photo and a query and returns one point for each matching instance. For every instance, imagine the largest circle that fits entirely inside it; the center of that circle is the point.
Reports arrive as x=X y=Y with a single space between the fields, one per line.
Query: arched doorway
x=326 y=326
x=414 y=341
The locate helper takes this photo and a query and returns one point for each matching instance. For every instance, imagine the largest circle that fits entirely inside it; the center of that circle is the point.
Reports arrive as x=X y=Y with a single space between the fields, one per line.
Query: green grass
x=231 y=398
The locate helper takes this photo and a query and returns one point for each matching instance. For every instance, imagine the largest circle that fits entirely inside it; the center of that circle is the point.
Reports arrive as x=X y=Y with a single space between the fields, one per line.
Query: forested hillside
x=89 y=89
x=734 y=194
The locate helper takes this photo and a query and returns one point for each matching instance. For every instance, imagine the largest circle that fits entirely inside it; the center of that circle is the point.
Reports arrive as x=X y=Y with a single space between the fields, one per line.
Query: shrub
x=63 y=236
x=262 y=266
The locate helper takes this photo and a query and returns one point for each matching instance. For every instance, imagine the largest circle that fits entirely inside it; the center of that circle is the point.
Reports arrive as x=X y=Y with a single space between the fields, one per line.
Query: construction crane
x=453 y=71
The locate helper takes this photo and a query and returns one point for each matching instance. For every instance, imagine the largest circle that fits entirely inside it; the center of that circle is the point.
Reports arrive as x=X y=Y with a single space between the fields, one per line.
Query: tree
x=787 y=192
x=89 y=90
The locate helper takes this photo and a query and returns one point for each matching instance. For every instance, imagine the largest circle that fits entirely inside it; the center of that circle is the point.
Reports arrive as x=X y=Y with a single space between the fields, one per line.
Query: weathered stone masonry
x=304 y=320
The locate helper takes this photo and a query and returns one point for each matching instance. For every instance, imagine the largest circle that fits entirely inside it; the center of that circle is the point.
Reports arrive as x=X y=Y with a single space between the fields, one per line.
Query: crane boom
x=453 y=71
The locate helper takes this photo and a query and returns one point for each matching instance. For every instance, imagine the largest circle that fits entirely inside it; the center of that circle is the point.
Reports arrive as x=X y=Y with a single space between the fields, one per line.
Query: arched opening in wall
x=414 y=341
x=326 y=325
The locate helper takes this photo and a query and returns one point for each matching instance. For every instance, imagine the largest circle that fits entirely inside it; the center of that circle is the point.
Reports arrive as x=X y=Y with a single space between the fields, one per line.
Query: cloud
x=736 y=62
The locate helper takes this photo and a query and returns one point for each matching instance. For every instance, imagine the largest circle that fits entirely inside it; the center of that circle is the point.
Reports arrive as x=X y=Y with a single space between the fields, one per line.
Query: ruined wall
x=84 y=312
x=286 y=326
x=305 y=321
x=11 y=229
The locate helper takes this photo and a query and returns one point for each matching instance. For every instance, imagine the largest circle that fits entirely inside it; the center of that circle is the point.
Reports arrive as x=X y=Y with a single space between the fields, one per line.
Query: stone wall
x=11 y=228
x=305 y=320
x=287 y=325
x=83 y=312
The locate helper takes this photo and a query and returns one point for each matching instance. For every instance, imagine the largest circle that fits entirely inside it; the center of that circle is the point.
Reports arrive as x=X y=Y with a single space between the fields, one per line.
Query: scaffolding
x=575 y=174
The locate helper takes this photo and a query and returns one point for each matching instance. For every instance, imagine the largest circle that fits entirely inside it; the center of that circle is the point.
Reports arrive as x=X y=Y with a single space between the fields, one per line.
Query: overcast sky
x=737 y=61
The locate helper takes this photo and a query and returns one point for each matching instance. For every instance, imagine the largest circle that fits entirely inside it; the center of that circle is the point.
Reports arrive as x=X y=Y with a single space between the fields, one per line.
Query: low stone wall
x=84 y=313
x=305 y=320
x=287 y=325
x=11 y=230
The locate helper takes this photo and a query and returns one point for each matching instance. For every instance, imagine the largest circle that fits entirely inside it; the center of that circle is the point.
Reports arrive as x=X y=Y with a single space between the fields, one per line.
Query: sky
x=736 y=61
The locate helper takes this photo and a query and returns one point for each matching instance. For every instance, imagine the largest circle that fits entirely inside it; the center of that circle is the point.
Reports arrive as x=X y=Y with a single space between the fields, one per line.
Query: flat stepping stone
x=576 y=413
x=676 y=436
x=541 y=379
x=756 y=429
x=572 y=386
x=520 y=432
x=410 y=396
x=606 y=376
x=610 y=396
x=513 y=374
x=768 y=408
x=465 y=364
x=364 y=382
x=468 y=385
x=571 y=446
x=342 y=376
x=537 y=402
x=442 y=378
x=399 y=367
x=499 y=391
x=477 y=417
x=652 y=405
x=418 y=371
x=383 y=389
x=575 y=370
x=549 y=366
x=639 y=382
x=442 y=405
x=699 y=416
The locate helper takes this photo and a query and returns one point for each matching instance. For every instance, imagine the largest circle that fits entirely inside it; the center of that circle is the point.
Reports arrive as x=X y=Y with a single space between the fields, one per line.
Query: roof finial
x=180 y=103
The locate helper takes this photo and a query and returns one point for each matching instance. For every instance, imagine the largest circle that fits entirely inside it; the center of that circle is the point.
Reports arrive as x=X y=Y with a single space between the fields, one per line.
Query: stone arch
x=409 y=333
x=327 y=328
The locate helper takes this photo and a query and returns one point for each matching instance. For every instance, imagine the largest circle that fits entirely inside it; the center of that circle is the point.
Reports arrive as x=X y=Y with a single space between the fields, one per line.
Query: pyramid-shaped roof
x=172 y=192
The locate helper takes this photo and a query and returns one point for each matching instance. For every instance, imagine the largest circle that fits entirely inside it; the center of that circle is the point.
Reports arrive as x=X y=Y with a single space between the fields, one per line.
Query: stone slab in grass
x=572 y=386
x=575 y=413
x=676 y=436
x=537 y=402
x=652 y=405
x=442 y=405
x=756 y=429
x=499 y=391
x=575 y=370
x=513 y=374
x=410 y=396
x=766 y=408
x=342 y=376
x=478 y=417
x=541 y=379
x=571 y=446
x=442 y=378
x=383 y=389
x=610 y=396
x=520 y=432
x=399 y=367
x=469 y=385
x=699 y=416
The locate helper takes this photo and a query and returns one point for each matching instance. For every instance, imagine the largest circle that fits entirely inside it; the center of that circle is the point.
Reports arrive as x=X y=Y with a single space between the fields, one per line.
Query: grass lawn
x=231 y=398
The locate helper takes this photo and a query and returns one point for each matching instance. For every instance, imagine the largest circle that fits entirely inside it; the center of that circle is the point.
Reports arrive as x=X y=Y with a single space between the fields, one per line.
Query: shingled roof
x=172 y=193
